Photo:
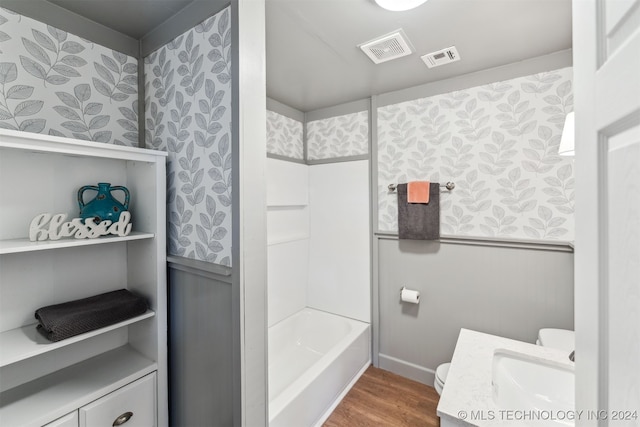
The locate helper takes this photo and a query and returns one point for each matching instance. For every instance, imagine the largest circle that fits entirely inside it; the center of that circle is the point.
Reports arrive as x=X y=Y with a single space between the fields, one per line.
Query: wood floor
x=383 y=399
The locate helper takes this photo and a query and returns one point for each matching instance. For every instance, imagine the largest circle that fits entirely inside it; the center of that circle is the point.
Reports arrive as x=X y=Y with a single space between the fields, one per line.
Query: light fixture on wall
x=568 y=140
x=399 y=5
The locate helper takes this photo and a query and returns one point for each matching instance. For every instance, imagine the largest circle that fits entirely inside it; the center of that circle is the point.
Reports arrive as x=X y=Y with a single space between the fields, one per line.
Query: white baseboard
x=407 y=369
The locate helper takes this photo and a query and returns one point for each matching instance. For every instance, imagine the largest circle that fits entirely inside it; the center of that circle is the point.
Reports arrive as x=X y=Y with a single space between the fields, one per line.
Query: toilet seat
x=442 y=371
x=441 y=377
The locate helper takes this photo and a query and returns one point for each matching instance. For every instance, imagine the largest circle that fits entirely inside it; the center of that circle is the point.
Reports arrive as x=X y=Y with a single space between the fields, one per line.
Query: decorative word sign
x=46 y=226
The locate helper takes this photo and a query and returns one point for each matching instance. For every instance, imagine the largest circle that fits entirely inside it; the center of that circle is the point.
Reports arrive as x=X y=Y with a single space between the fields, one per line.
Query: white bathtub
x=314 y=358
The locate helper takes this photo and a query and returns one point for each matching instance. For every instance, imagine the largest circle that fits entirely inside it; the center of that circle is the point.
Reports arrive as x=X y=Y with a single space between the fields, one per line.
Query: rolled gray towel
x=61 y=321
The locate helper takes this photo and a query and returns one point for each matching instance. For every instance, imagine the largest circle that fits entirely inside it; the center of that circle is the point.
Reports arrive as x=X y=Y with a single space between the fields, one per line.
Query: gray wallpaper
x=284 y=136
x=188 y=114
x=340 y=136
x=54 y=82
x=499 y=144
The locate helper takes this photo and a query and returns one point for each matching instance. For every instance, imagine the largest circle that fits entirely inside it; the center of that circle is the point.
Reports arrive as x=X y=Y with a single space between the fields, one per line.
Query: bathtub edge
x=342 y=394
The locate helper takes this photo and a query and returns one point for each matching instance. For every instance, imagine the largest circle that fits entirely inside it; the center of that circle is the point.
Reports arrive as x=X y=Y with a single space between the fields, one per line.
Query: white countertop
x=467 y=393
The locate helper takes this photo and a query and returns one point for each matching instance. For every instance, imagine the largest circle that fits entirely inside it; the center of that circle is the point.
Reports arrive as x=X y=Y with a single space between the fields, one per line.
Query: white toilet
x=441 y=376
x=562 y=339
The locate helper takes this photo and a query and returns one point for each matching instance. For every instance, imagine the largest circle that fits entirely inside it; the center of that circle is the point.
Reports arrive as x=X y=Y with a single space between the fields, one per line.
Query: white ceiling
x=134 y=18
x=312 y=56
x=313 y=60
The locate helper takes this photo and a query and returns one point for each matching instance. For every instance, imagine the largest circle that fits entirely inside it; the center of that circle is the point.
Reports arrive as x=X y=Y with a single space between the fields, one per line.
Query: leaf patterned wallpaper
x=57 y=83
x=284 y=136
x=188 y=114
x=499 y=144
x=340 y=136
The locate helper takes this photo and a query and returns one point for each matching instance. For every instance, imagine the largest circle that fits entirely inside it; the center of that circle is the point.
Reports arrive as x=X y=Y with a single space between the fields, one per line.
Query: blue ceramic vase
x=104 y=206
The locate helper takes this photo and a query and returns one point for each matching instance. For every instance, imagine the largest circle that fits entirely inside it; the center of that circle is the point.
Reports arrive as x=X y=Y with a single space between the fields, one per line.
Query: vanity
x=496 y=381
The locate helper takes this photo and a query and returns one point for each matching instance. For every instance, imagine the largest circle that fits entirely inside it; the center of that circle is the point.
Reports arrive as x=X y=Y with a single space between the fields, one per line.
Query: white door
x=606 y=48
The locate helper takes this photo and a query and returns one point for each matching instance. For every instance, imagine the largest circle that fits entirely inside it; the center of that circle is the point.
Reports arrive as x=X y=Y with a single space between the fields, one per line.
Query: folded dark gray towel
x=61 y=321
x=419 y=221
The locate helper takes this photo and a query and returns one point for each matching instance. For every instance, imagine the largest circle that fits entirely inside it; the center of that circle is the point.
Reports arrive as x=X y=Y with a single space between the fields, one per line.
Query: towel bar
x=449 y=186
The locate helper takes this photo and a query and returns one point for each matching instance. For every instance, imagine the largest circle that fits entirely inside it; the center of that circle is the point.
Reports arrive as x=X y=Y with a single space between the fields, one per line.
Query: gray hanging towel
x=419 y=221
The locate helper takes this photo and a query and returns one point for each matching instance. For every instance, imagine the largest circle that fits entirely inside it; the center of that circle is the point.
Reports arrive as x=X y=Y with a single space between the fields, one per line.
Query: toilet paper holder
x=409 y=295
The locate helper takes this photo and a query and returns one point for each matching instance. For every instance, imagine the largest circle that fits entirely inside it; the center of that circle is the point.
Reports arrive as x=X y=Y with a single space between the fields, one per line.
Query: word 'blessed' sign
x=46 y=226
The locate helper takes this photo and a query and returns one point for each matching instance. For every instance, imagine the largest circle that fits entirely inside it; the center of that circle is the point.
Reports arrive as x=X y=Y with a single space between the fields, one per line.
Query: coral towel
x=418 y=192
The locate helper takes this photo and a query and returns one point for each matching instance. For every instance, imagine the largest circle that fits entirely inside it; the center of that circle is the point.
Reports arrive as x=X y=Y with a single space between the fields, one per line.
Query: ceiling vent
x=441 y=57
x=385 y=48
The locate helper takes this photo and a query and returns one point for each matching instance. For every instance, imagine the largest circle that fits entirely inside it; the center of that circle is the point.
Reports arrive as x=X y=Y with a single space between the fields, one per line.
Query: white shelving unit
x=41 y=381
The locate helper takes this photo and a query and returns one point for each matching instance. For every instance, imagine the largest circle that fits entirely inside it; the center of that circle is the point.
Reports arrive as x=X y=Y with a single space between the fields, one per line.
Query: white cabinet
x=42 y=381
x=69 y=420
x=133 y=405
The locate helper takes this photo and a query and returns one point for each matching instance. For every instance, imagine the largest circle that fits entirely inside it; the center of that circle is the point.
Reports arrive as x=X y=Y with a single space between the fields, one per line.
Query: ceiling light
x=568 y=140
x=399 y=5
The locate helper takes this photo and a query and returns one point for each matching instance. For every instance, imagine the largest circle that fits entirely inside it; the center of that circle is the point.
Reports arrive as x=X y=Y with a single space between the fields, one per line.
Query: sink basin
x=543 y=388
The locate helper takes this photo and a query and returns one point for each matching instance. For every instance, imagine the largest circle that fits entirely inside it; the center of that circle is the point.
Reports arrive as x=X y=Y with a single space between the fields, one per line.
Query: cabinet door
x=133 y=405
x=69 y=420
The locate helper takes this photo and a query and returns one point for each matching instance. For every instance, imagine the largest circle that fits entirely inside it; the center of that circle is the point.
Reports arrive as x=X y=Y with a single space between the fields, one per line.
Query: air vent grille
x=385 y=48
x=441 y=57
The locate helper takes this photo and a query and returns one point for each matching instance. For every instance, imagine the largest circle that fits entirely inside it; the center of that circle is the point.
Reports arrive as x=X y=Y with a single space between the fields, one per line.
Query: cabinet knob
x=122 y=419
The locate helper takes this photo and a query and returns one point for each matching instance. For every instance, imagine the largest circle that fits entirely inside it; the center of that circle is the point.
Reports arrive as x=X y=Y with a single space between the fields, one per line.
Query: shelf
x=48 y=144
x=47 y=398
x=12 y=246
x=282 y=206
x=286 y=239
x=23 y=343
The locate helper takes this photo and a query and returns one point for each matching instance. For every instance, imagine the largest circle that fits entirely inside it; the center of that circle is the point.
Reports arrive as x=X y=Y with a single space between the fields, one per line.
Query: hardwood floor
x=381 y=398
